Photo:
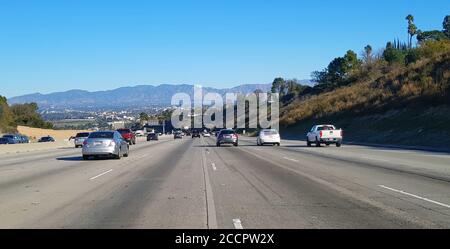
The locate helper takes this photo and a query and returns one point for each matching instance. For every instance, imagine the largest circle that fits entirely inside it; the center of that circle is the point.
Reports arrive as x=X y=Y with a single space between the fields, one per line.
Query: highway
x=191 y=183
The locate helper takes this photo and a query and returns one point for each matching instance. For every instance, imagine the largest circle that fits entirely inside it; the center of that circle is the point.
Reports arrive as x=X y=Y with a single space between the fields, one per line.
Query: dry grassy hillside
x=405 y=105
x=36 y=133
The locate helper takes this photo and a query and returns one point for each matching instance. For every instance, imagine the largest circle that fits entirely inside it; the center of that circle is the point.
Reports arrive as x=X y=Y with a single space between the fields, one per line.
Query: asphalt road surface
x=190 y=183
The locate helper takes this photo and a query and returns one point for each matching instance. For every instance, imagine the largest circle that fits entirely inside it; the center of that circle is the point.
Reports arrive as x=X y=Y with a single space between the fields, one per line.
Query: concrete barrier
x=23 y=148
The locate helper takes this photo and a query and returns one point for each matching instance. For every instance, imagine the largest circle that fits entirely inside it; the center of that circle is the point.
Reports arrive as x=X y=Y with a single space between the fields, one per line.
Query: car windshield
x=325 y=128
x=227 y=132
x=102 y=135
x=46 y=138
x=84 y=134
x=270 y=132
x=122 y=131
x=9 y=136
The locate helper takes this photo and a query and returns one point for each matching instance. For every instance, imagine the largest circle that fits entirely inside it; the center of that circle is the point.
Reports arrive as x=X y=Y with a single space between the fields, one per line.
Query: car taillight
x=321 y=134
x=112 y=143
x=235 y=136
x=84 y=142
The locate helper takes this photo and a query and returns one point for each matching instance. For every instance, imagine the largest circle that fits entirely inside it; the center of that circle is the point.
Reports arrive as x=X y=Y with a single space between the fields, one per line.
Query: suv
x=79 y=139
x=227 y=136
x=195 y=133
x=15 y=138
x=128 y=135
x=152 y=136
x=6 y=140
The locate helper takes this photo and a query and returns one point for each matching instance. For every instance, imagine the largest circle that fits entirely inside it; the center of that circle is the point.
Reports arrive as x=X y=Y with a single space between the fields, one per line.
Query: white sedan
x=268 y=136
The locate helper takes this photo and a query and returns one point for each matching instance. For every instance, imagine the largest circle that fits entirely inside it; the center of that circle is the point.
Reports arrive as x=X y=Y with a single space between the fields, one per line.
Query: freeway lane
x=190 y=183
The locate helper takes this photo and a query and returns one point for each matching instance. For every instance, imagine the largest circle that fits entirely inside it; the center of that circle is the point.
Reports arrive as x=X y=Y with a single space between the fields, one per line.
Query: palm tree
x=412 y=28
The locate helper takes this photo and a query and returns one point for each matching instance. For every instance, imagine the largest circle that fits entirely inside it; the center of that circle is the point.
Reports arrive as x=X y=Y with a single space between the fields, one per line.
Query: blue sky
x=48 y=46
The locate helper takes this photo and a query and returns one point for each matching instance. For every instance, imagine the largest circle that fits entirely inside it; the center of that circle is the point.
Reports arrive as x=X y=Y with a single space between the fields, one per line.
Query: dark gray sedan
x=105 y=144
x=227 y=136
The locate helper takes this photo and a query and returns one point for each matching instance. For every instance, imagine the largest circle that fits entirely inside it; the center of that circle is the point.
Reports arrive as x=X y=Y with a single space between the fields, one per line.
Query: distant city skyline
x=55 y=46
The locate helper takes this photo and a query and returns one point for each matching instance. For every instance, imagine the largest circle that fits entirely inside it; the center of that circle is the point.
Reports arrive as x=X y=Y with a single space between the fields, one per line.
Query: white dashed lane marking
x=104 y=173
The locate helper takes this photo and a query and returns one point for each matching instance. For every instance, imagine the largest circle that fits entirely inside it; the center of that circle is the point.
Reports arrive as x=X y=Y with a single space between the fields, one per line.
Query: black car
x=152 y=136
x=195 y=133
x=46 y=139
x=6 y=140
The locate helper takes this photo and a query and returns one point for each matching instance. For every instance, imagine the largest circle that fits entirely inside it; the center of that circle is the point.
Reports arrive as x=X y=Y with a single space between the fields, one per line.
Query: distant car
x=206 y=134
x=140 y=133
x=268 y=136
x=15 y=138
x=128 y=135
x=24 y=139
x=79 y=139
x=178 y=135
x=105 y=144
x=46 y=139
x=195 y=133
x=6 y=140
x=227 y=136
x=152 y=136
x=324 y=134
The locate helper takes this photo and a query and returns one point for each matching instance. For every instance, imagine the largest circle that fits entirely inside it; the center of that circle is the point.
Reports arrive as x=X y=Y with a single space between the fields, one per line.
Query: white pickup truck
x=324 y=134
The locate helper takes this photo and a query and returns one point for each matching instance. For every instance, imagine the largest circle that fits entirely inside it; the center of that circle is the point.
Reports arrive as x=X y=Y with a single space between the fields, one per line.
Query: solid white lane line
x=213 y=166
x=290 y=159
x=104 y=173
x=415 y=196
x=237 y=224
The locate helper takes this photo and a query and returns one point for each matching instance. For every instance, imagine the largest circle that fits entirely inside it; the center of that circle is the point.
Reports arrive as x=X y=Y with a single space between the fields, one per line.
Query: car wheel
x=308 y=143
x=338 y=144
x=218 y=144
x=118 y=156
x=317 y=143
x=235 y=144
x=278 y=144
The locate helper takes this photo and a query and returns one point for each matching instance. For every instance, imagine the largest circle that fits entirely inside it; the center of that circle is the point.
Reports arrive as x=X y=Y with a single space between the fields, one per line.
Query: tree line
x=351 y=68
x=20 y=114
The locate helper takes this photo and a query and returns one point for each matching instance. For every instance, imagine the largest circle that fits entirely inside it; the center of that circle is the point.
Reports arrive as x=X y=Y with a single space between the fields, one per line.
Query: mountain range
x=147 y=95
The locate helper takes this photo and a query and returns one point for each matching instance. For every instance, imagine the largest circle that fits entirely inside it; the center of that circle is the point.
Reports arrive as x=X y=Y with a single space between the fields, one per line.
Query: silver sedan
x=105 y=144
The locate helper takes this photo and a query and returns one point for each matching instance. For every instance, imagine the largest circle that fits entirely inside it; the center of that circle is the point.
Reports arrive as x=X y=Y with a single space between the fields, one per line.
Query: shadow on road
x=299 y=146
x=224 y=145
x=79 y=158
x=71 y=158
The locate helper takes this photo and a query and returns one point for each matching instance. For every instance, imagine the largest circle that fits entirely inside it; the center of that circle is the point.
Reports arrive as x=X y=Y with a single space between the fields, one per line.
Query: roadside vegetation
x=20 y=114
x=400 y=95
